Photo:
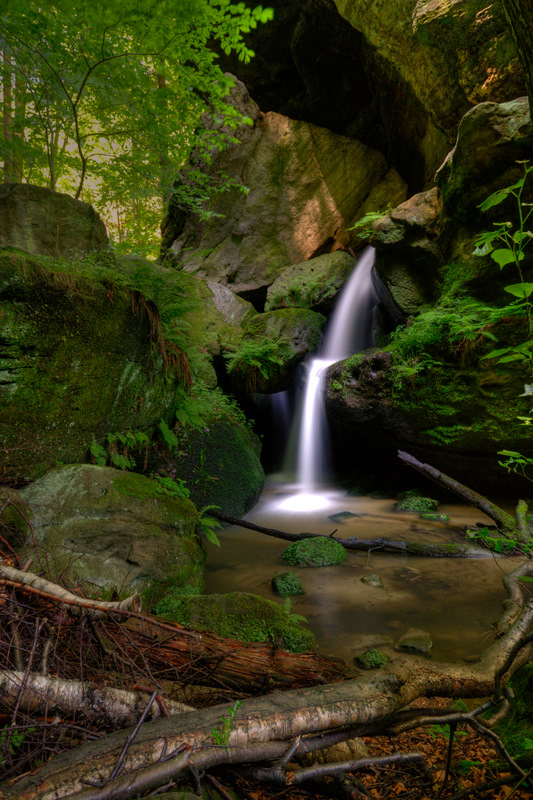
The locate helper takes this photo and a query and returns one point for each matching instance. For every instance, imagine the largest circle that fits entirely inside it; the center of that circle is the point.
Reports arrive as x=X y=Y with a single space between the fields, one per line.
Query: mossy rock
x=431 y=517
x=116 y=530
x=415 y=641
x=287 y=584
x=271 y=348
x=313 y=284
x=371 y=659
x=373 y=580
x=238 y=615
x=314 y=552
x=417 y=504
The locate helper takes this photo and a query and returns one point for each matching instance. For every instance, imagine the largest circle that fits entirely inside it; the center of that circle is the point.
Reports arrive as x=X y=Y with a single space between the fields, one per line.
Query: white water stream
x=348 y=332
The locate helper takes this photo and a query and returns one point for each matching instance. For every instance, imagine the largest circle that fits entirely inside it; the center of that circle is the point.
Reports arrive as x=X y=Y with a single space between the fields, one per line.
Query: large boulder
x=312 y=284
x=77 y=362
x=306 y=186
x=116 y=530
x=47 y=223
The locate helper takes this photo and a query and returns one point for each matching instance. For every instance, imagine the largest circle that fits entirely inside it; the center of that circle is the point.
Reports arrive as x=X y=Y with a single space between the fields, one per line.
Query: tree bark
x=519 y=15
x=505 y=522
x=164 y=749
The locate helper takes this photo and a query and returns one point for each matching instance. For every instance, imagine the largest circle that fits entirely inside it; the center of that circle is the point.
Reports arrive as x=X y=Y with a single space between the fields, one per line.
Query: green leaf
x=503 y=256
x=211 y=536
x=522 y=290
x=494 y=199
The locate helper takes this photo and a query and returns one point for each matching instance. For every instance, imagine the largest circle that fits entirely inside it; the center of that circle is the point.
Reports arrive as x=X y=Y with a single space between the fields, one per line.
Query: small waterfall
x=348 y=332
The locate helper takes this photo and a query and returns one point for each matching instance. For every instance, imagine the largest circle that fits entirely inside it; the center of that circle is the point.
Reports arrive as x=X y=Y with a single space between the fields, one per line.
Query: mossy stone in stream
x=314 y=552
x=432 y=517
x=239 y=615
x=415 y=503
x=287 y=584
x=371 y=659
x=415 y=641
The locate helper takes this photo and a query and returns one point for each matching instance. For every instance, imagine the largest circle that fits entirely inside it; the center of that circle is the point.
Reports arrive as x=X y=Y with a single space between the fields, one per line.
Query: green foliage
x=12 y=740
x=314 y=552
x=110 y=99
x=286 y=584
x=503 y=545
x=171 y=487
x=256 y=358
x=516 y=729
x=365 y=225
x=220 y=735
x=371 y=659
x=207 y=525
x=119 y=447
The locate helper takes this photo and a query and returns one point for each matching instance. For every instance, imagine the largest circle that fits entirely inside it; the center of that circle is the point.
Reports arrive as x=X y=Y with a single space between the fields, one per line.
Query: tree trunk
x=519 y=15
x=7 y=115
x=164 y=749
x=505 y=522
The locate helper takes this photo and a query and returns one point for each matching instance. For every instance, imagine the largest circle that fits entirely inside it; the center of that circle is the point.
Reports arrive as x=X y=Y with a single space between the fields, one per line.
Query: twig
x=131 y=737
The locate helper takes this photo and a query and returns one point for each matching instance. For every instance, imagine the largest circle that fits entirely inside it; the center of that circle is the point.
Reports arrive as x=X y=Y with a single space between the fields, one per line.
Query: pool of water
x=456 y=600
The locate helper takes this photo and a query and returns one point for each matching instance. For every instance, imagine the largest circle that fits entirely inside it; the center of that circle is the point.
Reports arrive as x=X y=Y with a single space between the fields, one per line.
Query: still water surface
x=455 y=600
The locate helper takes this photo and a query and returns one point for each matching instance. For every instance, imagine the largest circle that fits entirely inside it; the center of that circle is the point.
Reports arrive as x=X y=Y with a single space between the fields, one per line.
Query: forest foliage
x=107 y=101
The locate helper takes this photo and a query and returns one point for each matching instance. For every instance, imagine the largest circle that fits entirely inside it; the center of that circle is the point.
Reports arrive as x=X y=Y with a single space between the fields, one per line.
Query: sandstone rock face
x=43 y=222
x=453 y=54
x=116 y=530
x=306 y=186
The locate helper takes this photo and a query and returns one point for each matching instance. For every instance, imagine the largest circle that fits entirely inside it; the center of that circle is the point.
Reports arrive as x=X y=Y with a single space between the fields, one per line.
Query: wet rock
x=271 y=348
x=435 y=517
x=373 y=580
x=415 y=641
x=287 y=584
x=314 y=552
x=116 y=530
x=371 y=659
x=415 y=503
x=344 y=516
x=47 y=223
x=312 y=284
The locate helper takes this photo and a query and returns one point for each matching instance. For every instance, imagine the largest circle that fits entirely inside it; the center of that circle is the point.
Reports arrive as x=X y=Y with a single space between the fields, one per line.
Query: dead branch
x=97 y=608
x=263 y=727
x=405 y=548
x=40 y=692
x=505 y=522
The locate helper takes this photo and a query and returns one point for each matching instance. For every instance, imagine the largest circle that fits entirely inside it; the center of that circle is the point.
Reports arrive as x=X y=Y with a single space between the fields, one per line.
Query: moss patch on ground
x=238 y=615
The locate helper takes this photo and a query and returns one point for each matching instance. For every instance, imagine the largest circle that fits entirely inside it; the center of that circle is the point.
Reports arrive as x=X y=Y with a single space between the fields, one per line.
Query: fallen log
x=262 y=728
x=505 y=522
x=444 y=550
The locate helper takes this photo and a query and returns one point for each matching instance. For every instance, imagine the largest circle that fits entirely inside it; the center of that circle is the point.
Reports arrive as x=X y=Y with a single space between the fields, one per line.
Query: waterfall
x=348 y=332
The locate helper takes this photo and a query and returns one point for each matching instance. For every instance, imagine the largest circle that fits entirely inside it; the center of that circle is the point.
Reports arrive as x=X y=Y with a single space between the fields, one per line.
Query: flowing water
x=455 y=600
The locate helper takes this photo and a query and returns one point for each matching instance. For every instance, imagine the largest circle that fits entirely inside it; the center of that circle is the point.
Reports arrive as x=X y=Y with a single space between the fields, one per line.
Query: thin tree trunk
x=7 y=115
x=505 y=522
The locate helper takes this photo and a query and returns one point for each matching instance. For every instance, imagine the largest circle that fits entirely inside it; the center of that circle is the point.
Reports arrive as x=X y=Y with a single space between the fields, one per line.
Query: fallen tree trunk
x=262 y=728
x=505 y=522
x=444 y=550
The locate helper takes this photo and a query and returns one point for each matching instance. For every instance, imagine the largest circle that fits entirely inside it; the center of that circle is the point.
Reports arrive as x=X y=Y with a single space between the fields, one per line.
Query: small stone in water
x=415 y=641
x=373 y=580
x=287 y=584
x=342 y=516
x=435 y=517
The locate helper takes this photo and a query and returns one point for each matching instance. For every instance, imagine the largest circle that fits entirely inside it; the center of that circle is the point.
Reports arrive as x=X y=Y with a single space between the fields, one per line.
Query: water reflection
x=456 y=600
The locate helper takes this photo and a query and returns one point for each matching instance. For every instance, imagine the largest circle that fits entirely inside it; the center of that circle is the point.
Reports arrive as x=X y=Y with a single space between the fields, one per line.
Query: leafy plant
x=220 y=736
x=365 y=225
x=208 y=524
x=495 y=543
x=254 y=359
x=296 y=619
x=120 y=458
x=172 y=487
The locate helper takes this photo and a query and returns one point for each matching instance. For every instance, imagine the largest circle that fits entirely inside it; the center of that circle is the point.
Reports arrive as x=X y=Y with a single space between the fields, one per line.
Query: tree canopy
x=105 y=100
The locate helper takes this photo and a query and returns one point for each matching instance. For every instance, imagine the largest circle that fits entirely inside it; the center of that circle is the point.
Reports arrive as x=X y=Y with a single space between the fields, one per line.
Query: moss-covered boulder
x=314 y=552
x=371 y=659
x=77 y=361
x=312 y=284
x=47 y=223
x=271 y=348
x=116 y=530
x=417 y=504
x=415 y=641
x=220 y=465
x=239 y=615
x=287 y=584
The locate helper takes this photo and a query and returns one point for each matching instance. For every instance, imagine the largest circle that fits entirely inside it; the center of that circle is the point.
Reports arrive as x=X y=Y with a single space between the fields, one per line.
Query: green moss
x=287 y=584
x=238 y=615
x=434 y=517
x=371 y=659
x=133 y=485
x=417 y=504
x=314 y=552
